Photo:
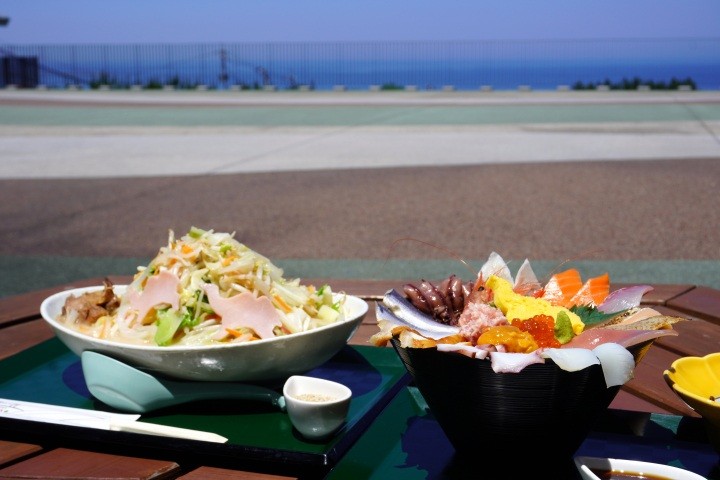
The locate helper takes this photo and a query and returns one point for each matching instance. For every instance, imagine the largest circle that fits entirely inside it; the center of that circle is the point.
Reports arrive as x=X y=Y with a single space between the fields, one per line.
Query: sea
x=380 y=65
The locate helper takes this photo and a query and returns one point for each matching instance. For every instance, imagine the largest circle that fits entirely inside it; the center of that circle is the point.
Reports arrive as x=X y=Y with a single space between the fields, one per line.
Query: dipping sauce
x=604 y=474
x=315 y=397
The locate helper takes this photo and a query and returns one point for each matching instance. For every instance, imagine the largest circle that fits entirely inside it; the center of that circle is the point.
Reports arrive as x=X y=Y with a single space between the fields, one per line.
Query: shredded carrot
x=593 y=291
x=562 y=286
x=234 y=333
x=243 y=336
x=228 y=260
x=186 y=249
x=286 y=308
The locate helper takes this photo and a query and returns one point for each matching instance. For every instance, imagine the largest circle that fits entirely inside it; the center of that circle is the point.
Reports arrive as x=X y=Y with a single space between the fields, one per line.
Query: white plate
x=261 y=360
x=585 y=464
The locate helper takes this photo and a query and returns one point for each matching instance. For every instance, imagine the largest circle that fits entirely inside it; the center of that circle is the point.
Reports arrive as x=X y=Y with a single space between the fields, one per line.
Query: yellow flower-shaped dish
x=697 y=381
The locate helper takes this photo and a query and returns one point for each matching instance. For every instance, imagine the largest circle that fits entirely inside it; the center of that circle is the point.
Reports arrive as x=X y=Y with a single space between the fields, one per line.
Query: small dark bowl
x=542 y=413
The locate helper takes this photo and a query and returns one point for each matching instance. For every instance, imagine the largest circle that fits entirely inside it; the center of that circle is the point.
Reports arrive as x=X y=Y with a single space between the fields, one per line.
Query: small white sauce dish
x=585 y=465
x=317 y=407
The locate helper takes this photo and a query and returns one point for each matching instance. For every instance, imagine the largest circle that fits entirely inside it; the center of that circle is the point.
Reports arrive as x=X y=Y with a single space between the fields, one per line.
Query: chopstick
x=165 y=431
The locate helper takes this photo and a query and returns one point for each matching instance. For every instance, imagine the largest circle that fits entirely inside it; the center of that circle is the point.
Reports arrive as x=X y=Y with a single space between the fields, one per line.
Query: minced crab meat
x=476 y=318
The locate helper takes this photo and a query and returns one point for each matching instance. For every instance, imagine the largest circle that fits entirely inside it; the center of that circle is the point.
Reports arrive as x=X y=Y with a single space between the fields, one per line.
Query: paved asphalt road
x=357 y=185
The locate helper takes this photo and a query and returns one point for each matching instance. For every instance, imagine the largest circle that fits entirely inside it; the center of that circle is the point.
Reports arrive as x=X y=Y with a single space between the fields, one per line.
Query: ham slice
x=160 y=289
x=244 y=310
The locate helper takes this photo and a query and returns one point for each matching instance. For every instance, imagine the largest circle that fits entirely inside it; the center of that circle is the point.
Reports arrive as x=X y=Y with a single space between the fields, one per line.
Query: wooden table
x=22 y=327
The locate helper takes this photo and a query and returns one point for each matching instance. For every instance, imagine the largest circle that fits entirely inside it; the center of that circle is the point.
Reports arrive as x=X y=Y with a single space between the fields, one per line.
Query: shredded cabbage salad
x=203 y=257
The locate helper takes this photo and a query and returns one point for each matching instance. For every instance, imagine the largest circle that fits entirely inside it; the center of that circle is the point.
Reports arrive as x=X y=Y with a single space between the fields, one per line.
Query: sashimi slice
x=593 y=337
x=617 y=363
x=394 y=321
x=403 y=311
x=653 y=322
x=593 y=292
x=632 y=315
x=495 y=265
x=571 y=359
x=465 y=349
x=504 y=362
x=526 y=282
x=624 y=298
x=562 y=286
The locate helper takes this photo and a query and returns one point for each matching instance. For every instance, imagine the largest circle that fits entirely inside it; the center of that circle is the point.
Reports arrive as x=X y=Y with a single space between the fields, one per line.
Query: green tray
x=260 y=437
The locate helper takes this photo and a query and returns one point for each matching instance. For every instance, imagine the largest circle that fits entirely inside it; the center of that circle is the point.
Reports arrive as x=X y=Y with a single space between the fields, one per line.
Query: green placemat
x=257 y=432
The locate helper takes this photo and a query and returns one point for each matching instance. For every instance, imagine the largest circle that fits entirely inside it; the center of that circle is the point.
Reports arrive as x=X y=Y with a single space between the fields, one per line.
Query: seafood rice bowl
x=510 y=367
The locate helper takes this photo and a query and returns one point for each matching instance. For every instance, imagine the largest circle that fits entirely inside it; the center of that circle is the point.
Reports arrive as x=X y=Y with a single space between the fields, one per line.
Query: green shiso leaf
x=591 y=315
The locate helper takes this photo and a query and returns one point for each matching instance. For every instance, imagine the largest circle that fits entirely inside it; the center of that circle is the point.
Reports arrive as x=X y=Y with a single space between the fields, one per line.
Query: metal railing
x=462 y=65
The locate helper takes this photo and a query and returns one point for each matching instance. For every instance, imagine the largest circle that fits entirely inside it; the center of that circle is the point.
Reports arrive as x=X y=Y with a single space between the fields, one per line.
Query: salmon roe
x=541 y=327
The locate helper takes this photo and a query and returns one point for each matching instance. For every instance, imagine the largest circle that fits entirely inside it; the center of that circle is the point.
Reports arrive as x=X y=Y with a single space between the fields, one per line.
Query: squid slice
x=465 y=349
x=505 y=362
x=617 y=363
x=571 y=359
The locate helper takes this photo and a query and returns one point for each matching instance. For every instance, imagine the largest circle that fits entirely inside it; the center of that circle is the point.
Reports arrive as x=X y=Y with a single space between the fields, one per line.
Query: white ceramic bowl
x=317 y=407
x=264 y=360
x=585 y=465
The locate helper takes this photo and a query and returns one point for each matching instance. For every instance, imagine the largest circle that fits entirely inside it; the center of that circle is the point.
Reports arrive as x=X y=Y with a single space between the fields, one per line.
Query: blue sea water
x=499 y=74
x=464 y=66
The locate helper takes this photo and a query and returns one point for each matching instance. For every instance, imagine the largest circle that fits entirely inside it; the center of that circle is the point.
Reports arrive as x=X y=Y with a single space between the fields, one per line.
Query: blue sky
x=180 y=21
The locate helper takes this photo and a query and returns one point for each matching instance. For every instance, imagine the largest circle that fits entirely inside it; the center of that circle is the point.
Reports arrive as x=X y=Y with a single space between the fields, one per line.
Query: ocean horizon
x=359 y=66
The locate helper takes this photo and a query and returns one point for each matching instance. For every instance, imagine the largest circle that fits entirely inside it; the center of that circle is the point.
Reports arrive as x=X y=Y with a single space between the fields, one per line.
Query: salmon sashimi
x=593 y=292
x=562 y=287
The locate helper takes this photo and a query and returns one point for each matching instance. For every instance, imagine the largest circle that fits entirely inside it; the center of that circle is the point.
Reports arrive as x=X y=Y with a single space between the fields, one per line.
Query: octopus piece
x=444 y=302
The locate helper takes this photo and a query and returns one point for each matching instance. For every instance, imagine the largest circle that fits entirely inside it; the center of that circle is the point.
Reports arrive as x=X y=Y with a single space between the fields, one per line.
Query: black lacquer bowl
x=541 y=414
